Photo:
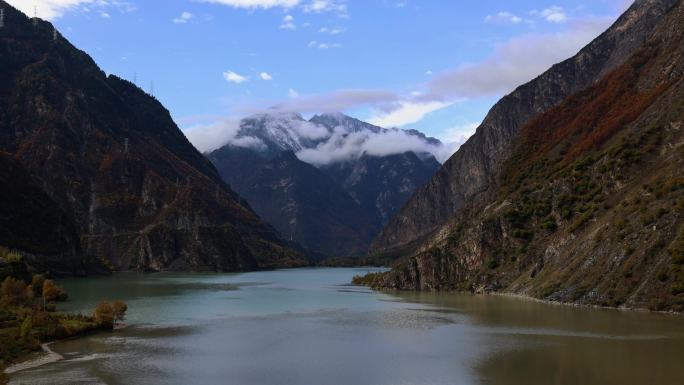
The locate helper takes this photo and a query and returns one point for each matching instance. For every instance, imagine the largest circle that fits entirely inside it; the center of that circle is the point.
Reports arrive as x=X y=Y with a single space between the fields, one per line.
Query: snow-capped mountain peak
x=330 y=138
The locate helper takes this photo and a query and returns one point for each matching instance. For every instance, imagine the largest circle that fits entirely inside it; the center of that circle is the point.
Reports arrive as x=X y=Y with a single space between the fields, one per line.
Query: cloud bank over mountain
x=342 y=146
x=215 y=135
x=315 y=143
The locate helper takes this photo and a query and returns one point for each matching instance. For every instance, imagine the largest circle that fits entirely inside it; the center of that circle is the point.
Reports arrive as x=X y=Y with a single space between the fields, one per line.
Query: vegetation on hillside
x=588 y=208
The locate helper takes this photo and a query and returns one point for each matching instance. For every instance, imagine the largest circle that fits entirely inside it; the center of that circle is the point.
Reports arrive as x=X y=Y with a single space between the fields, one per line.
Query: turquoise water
x=309 y=327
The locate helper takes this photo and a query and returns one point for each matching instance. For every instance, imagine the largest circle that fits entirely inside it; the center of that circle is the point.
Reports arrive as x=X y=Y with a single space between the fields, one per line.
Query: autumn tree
x=52 y=292
x=119 y=310
x=104 y=314
x=37 y=285
x=13 y=291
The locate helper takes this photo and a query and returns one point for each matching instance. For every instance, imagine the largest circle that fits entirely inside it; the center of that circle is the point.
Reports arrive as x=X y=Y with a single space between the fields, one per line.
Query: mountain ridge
x=587 y=208
x=142 y=197
x=370 y=188
x=469 y=171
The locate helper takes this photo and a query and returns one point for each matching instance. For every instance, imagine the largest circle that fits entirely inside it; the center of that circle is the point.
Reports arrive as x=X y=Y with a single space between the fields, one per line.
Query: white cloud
x=307 y=130
x=319 y=45
x=454 y=137
x=105 y=15
x=329 y=45
x=183 y=18
x=340 y=100
x=513 y=63
x=288 y=23
x=459 y=134
x=48 y=9
x=503 y=17
x=407 y=113
x=54 y=9
x=332 y=31
x=553 y=14
x=308 y=6
x=265 y=76
x=216 y=135
x=338 y=144
x=343 y=145
x=251 y=4
x=234 y=77
x=318 y=6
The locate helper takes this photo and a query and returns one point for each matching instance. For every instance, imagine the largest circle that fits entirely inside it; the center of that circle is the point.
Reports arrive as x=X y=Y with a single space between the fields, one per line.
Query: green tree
x=104 y=314
x=26 y=327
x=119 y=310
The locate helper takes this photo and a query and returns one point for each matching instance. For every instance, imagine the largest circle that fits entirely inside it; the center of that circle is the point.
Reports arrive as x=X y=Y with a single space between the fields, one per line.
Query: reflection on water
x=552 y=344
x=308 y=326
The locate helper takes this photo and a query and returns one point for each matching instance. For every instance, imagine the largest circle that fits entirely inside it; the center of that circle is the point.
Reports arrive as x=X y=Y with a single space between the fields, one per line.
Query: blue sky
x=434 y=65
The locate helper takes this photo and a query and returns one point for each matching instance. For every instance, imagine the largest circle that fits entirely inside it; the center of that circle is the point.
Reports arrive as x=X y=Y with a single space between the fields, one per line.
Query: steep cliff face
x=29 y=219
x=470 y=171
x=588 y=207
x=381 y=185
x=110 y=155
x=301 y=201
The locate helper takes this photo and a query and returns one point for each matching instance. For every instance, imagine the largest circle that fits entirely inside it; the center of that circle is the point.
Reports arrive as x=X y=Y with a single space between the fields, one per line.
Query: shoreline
x=534 y=299
x=47 y=356
x=582 y=305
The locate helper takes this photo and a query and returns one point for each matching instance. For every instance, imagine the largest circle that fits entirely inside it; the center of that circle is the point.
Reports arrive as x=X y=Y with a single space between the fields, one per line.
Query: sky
x=434 y=65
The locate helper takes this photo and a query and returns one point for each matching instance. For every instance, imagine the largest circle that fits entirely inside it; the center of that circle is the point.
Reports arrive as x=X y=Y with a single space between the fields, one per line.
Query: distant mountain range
x=329 y=183
x=93 y=168
x=572 y=189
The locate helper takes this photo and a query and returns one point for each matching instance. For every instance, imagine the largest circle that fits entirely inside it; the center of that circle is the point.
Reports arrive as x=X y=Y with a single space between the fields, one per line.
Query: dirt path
x=47 y=357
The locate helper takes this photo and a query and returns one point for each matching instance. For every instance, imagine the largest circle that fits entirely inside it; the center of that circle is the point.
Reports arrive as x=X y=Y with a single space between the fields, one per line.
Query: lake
x=309 y=327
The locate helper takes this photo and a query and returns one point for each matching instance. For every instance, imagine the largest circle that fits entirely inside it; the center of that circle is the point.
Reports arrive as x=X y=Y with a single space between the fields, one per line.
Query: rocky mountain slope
x=109 y=156
x=469 y=172
x=587 y=205
x=298 y=199
x=381 y=185
x=333 y=196
x=30 y=220
x=36 y=233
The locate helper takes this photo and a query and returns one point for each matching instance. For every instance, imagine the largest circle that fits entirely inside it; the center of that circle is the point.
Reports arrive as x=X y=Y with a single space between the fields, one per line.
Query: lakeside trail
x=47 y=357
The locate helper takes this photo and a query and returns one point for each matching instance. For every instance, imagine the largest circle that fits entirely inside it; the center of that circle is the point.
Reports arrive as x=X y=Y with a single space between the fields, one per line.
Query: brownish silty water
x=300 y=327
